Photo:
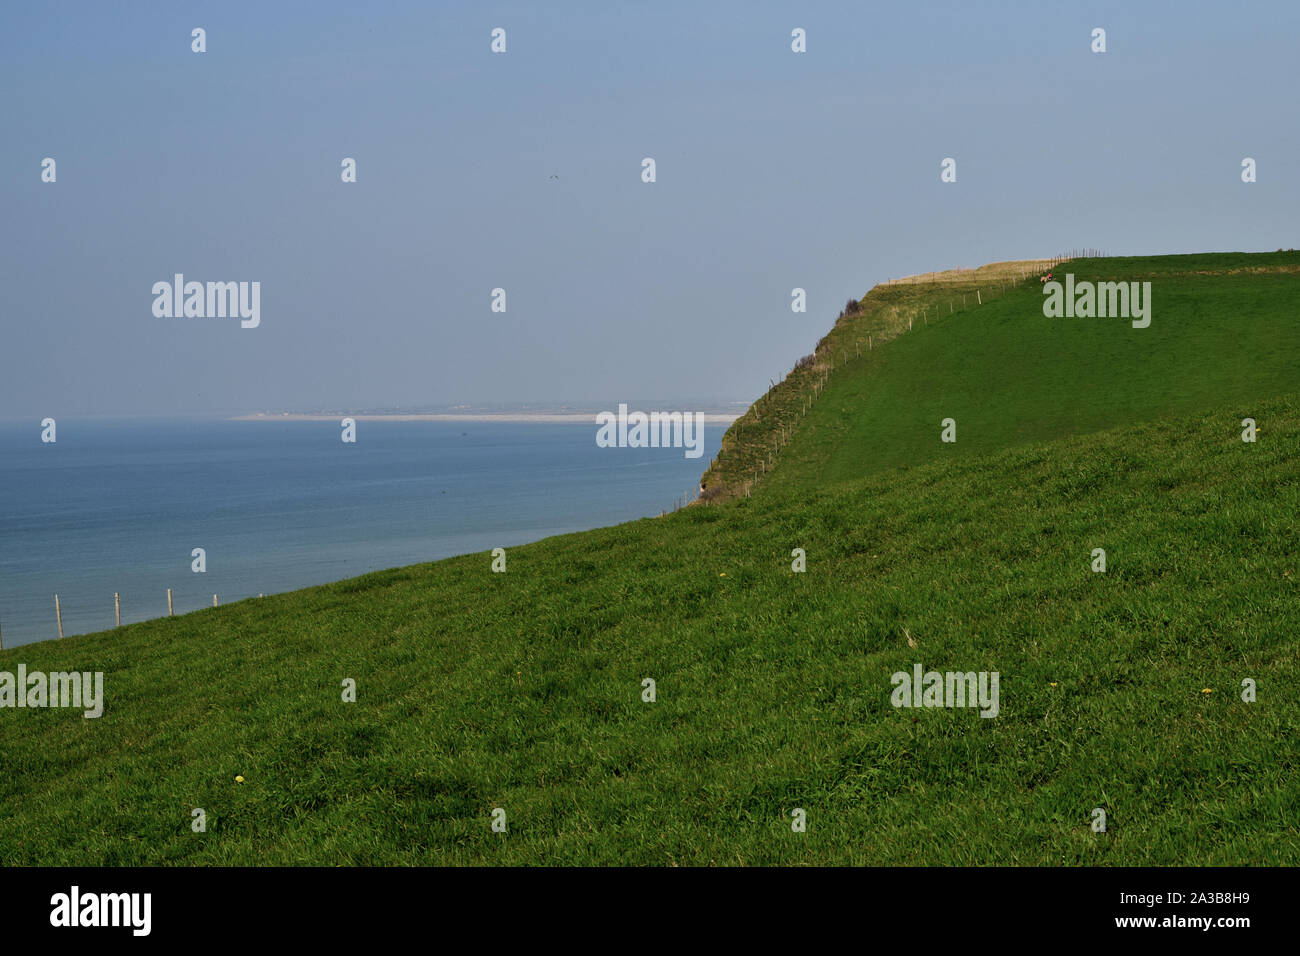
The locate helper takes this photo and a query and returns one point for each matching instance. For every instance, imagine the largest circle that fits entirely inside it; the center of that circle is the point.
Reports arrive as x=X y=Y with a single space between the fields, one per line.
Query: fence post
x=117 y=609
x=58 y=613
x=214 y=600
x=169 y=602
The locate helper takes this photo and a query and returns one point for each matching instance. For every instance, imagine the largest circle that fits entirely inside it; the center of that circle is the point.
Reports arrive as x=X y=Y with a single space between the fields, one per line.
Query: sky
x=523 y=171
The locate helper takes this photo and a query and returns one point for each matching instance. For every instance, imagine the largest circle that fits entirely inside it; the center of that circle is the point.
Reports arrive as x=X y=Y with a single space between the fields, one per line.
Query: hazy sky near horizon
x=775 y=170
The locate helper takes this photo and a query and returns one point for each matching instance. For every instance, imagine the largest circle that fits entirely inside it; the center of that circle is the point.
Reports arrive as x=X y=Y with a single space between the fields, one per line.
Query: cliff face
x=752 y=445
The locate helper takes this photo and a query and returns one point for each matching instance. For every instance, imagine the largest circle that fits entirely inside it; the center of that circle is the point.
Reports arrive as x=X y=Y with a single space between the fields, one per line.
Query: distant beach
x=511 y=418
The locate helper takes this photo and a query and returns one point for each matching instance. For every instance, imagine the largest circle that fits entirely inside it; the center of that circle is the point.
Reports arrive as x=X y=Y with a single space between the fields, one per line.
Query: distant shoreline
x=523 y=418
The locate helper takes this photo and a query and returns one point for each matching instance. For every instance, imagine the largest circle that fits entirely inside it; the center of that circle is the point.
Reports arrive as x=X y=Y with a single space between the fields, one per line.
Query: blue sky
x=775 y=170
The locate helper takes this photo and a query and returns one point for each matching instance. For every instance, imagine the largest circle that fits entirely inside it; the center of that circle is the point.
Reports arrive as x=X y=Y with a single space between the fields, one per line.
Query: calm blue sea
x=119 y=506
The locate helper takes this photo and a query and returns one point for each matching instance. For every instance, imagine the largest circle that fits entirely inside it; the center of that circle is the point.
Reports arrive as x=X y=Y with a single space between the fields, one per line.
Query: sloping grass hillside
x=524 y=691
x=751 y=444
x=1224 y=327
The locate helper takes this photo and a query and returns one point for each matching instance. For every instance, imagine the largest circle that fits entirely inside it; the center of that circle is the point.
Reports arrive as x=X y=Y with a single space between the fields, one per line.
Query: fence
x=117 y=612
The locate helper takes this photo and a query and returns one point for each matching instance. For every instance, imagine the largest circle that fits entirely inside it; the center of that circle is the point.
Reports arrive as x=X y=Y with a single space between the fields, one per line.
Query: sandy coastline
x=539 y=418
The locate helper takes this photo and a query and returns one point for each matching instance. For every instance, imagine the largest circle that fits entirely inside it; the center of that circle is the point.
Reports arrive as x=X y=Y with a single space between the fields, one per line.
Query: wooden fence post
x=117 y=609
x=58 y=613
x=169 y=602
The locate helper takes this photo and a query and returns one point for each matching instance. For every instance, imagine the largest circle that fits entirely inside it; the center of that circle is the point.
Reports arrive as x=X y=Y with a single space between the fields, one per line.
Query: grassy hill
x=523 y=691
x=1224 y=329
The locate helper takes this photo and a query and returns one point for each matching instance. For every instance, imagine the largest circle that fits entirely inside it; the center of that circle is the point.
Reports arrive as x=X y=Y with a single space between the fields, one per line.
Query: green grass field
x=523 y=691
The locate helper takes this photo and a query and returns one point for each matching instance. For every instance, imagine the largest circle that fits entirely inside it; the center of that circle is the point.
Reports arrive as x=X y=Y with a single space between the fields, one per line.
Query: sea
x=120 y=506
